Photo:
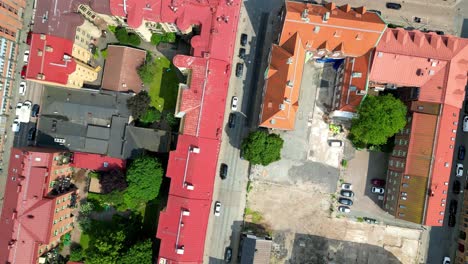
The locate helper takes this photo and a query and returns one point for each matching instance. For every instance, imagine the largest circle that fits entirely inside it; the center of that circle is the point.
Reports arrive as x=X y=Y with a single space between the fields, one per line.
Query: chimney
x=345 y=8
x=360 y=10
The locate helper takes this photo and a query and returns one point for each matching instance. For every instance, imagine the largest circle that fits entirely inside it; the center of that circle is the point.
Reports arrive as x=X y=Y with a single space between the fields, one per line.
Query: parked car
x=370 y=220
x=459 y=170
x=223 y=170
x=347 y=186
x=16 y=125
x=346 y=193
x=417 y=19
x=28 y=104
x=243 y=39
x=228 y=255
x=375 y=11
x=461 y=152
x=453 y=206
x=446 y=260
x=239 y=69
x=22 y=88
x=54 y=125
x=234 y=102
x=456 y=187
x=345 y=201
x=232 y=120
x=35 y=110
x=26 y=56
x=391 y=5
x=344 y=209
x=466 y=106
x=217 y=210
x=32 y=133
x=451 y=220
x=378 y=190
x=335 y=143
x=23 y=72
x=242 y=53
x=378 y=182
x=465 y=123
x=439 y=32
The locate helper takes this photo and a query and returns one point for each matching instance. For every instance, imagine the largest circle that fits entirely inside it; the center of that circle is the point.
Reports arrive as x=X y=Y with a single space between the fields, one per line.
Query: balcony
x=62 y=185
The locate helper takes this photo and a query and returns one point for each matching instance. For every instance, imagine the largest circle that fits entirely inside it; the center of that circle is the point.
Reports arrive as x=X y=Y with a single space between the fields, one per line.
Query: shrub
x=152 y=115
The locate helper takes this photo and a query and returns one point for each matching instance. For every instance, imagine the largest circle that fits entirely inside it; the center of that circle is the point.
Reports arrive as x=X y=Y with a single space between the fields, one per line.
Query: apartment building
x=38 y=204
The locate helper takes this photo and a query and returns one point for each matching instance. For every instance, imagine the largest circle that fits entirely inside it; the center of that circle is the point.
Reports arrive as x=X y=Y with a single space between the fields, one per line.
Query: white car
x=347 y=186
x=16 y=125
x=26 y=56
x=459 y=170
x=18 y=108
x=378 y=190
x=465 y=123
x=446 y=260
x=217 y=211
x=344 y=209
x=22 y=88
x=27 y=104
x=234 y=103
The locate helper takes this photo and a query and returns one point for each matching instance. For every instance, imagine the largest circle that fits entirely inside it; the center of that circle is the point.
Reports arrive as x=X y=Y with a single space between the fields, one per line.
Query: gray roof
x=255 y=250
x=94 y=122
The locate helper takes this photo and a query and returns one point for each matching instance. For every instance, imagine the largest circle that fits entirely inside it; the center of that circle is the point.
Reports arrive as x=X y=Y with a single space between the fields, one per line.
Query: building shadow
x=376 y=169
x=233 y=244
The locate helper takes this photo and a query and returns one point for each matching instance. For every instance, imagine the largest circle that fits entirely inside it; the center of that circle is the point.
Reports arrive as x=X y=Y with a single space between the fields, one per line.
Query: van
x=465 y=123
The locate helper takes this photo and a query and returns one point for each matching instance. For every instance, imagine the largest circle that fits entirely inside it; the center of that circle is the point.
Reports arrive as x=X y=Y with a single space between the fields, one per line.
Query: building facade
x=38 y=204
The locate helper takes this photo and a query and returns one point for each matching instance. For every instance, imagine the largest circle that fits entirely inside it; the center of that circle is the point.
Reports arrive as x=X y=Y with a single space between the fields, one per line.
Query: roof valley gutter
x=434 y=145
x=203 y=96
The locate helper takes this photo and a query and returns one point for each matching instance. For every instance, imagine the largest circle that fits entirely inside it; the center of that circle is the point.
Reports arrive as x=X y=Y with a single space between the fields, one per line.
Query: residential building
x=429 y=73
x=319 y=31
x=255 y=250
x=38 y=204
x=120 y=71
x=462 y=253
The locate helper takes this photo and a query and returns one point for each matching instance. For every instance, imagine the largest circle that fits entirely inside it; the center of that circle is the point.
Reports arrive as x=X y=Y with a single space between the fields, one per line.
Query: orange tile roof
x=353 y=31
x=282 y=85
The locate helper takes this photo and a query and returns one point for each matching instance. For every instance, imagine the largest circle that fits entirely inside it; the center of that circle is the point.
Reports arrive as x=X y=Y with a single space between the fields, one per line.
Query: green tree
x=147 y=71
x=139 y=104
x=379 y=118
x=156 y=38
x=262 y=148
x=170 y=119
x=106 y=247
x=139 y=253
x=152 y=115
x=170 y=37
x=144 y=178
x=77 y=254
x=134 y=39
x=121 y=35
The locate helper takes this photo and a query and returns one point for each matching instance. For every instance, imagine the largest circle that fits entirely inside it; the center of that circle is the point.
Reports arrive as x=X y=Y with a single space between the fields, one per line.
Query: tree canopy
x=124 y=37
x=144 y=178
x=140 y=253
x=139 y=104
x=113 y=180
x=262 y=148
x=379 y=118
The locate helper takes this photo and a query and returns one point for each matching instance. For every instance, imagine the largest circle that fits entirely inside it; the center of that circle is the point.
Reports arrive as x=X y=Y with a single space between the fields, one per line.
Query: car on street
x=378 y=182
x=26 y=56
x=465 y=123
x=466 y=106
x=16 y=125
x=23 y=71
x=446 y=260
x=344 y=209
x=456 y=187
x=242 y=53
x=243 y=39
x=417 y=19
x=32 y=133
x=453 y=206
x=345 y=201
x=35 y=110
x=391 y=5
x=459 y=170
x=234 y=102
x=217 y=210
x=27 y=104
x=22 y=88
x=347 y=186
x=239 y=69
x=347 y=193
x=451 y=220
x=439 y=32
x=461 y=152
x=335 y=143
x=370 y=220
x=228 y=255
x=18 y=108
x=232 y=120
x=378 y=190
x=223 y=170
x=54 y=125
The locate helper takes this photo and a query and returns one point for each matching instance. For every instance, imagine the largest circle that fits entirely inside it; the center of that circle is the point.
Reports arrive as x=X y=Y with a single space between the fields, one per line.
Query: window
x=441 y=212
x=402 y=206
x=55 y=232
x=404 y=194
x=403 y=198
x=391 y=162
x=405 y=185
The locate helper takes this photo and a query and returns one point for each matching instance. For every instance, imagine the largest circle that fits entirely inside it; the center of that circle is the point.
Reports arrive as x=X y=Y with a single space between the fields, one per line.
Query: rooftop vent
x=49 y=49
x=325 y=17
x=185 y=212
x=282 y=107
x=43 y=37
x=357 y=75
x=361 y=92
x=40 y=76
x=316 y=29
x=305 y=14
x=180 y=250
x=39 y=53
x=431 y=72
x=66 y=57
x=290 y=60
x=290 y=83
x=272 y=121
x=190 y=187
x=195 y=150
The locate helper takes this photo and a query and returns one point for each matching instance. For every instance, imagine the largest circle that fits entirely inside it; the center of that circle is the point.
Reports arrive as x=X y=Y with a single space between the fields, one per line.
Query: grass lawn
x=163 y=90
x=84 y=240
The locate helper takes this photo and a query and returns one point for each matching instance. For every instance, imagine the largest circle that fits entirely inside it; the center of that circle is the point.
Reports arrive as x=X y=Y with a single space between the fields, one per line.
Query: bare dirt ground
x=304 y=230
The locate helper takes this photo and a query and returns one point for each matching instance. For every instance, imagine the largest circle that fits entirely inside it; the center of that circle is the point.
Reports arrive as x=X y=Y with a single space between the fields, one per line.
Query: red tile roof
x=191 y=236
x=97 y=162
x=50 y=56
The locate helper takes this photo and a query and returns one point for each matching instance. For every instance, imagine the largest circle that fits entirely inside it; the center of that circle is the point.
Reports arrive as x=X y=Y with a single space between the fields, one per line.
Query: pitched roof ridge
x=345 y=8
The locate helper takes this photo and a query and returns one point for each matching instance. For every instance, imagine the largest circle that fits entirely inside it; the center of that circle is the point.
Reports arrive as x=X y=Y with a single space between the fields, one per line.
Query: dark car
x=461 y=152
x=345 y=201
x=453 y=206
x=439 y=32
x=35 y=110
x=228 y=255
x=347 y=193
x=456 y=187
x=242 y=53
x=243 y=39
x=417 y=19
x=232 y=120
x=32 y=133
x=239 y=69
x=466 y=107
x=223 y=170
x=370 y=220
x=378 y=182
x=391 y=5
x=451 y=220
x=54 y=125
x=23 y=72
x=376 y=11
